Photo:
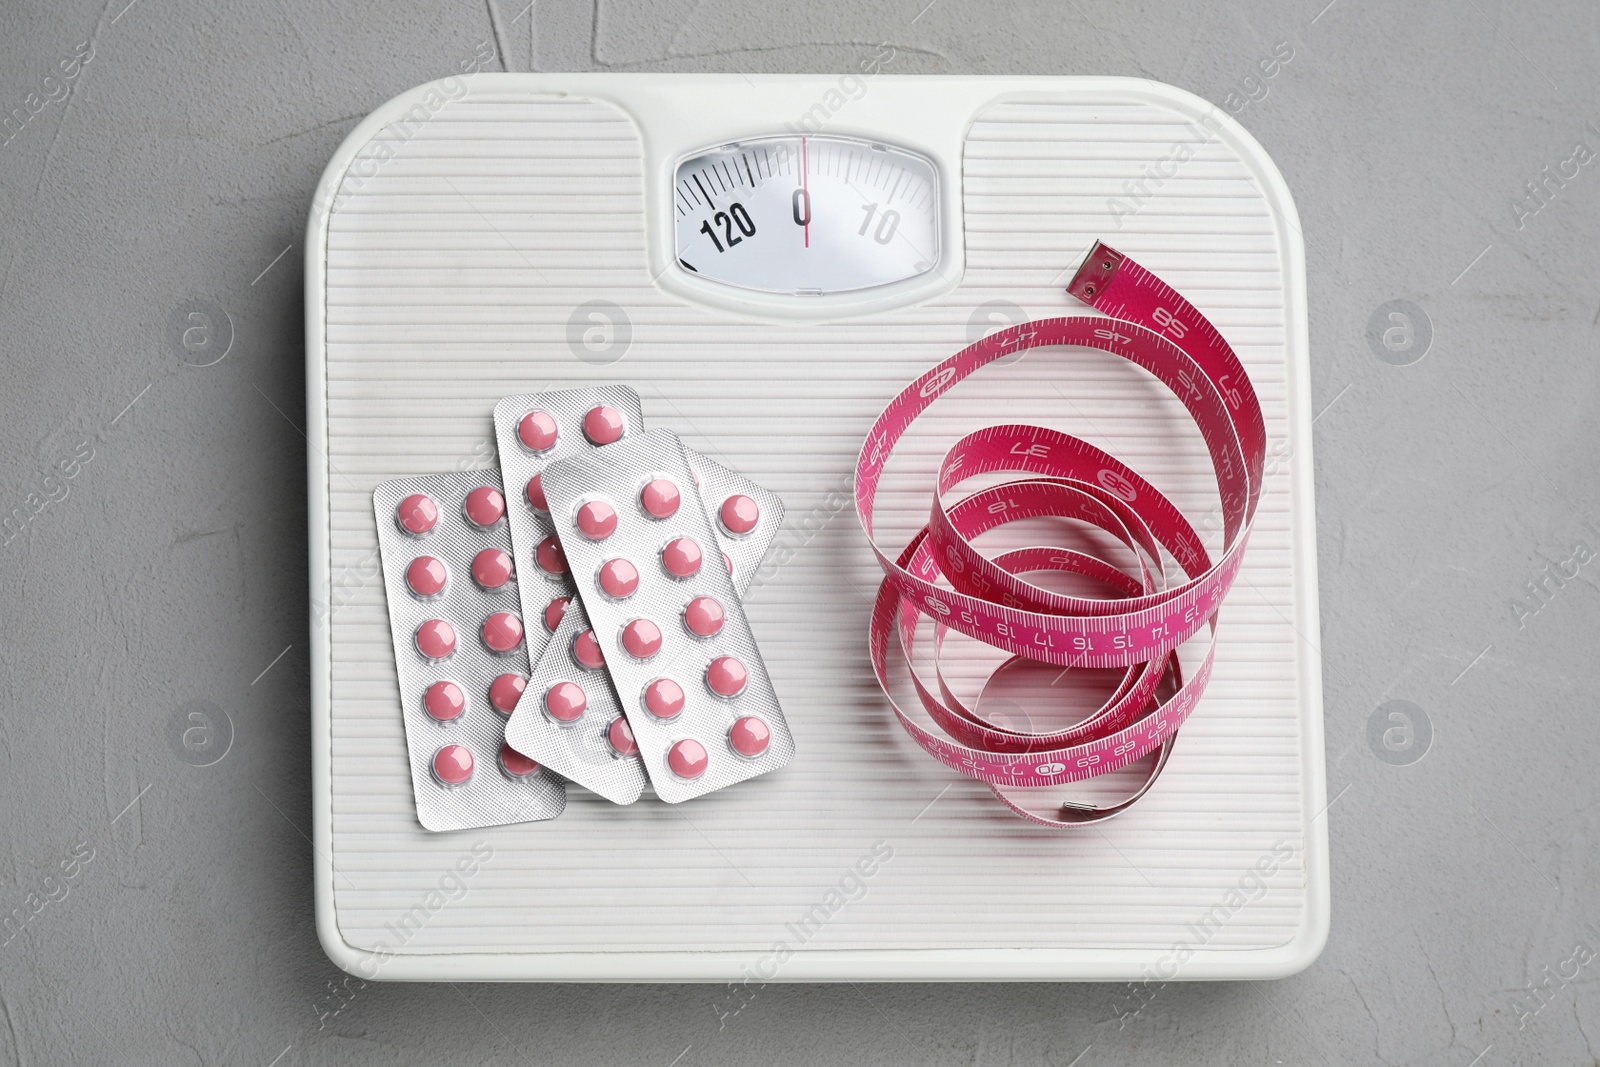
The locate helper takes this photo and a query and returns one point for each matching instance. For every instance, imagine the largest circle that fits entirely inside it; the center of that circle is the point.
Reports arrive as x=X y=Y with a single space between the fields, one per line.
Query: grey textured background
x=170 y=566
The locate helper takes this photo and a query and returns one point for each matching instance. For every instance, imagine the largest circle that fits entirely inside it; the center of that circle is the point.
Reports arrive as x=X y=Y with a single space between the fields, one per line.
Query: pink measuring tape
x=1138 y=629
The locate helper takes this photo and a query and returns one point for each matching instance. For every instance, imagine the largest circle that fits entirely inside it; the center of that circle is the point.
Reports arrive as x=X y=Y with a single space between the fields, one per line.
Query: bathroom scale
x=768 y=260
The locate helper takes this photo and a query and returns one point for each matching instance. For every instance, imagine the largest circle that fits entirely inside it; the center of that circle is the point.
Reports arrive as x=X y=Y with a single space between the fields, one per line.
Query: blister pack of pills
x=460 y=650
x=572 y=719
x=668 y=621
x=746 y=516
x=533 y=430
x=575 y=723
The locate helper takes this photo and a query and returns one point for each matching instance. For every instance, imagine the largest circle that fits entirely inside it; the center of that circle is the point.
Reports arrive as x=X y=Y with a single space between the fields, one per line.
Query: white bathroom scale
x=768 y=260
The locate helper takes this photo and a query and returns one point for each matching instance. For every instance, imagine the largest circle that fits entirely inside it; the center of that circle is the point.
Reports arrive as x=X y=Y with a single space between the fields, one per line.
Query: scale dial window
x=806 y=215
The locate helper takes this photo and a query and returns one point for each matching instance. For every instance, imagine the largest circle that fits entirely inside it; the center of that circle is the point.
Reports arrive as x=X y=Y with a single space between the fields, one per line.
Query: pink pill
x=586 y=650
x=687 y=758
x=537 y=431
x=417 y=514
x=515 y=764
x=660 y=498
x=536 y=493
x=565 y=701
x=597 y=520
x=427 y=576
x=618 y=578
x=727 y=561
x=502 y=631
x=550 y=556
x=703 y=616
x=436 y=639
x=444 y=701
x=452 y=765
x=485 y=506
x=641 y=638
x=603 y=424
x=663 y=698
x=749 y=737
x=491 y=568
x=553 y=612
x=739 y=514
x=682 y=557
x=620 y=734
x=726 y=676
x=505 y=691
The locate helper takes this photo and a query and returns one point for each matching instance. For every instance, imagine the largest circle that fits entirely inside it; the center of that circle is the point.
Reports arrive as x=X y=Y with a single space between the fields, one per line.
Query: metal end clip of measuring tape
x=1139 y=629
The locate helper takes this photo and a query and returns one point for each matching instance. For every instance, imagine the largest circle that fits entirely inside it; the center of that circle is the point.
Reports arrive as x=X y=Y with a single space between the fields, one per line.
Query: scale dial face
x=806 y=215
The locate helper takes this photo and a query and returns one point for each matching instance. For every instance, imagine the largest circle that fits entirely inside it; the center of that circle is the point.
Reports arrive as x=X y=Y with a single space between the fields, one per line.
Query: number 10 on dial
x=806 y=215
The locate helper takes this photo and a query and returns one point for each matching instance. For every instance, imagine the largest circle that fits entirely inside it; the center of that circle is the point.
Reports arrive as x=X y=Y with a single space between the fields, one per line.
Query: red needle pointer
x=804 y=167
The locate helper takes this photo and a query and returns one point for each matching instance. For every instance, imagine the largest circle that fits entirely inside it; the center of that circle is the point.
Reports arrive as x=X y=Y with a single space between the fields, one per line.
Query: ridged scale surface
x=451 y=276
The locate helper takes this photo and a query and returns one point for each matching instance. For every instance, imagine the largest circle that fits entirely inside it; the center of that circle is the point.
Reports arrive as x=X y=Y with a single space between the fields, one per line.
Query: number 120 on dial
x=807 y=215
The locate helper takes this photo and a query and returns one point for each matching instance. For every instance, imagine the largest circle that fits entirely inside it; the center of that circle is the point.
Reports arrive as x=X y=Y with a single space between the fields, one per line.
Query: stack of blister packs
x=576 y=617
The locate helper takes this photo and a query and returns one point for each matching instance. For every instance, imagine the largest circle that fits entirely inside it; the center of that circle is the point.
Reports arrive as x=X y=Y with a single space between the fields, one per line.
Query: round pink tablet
x=550 y=557
x=726 y=676
x=727 y=561
x=620 y=734
x=618 y=578
x=436 y=639
x=597 y=520
x=565 y=701
x=444 y=701
x=603 y=424
x=417 y=514
x=452 y=764
x=505 y=691
x=687 y=758
x=660 y=498
x=491 y=568
x=426 y=576
x=586 y=650
x=749 y=736
x=515 y=764
x=739 y=514
x=536 y=493
x=641 y=638
x=703 y=616
x=537 y=431
x=502 y=631
x=485 y=506
x=682 y=557
x=663 y=698
x=553 y=612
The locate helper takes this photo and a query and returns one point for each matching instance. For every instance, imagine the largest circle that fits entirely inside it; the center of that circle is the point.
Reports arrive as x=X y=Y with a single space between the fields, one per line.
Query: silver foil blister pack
x=533 y=430
x=570 y=719
x=678 y=648
x=592 y=748
x=460 y=649
x=745 y=515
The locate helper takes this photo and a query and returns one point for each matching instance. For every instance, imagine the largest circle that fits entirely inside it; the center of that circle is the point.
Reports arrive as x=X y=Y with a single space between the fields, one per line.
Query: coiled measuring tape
x=1141 y=626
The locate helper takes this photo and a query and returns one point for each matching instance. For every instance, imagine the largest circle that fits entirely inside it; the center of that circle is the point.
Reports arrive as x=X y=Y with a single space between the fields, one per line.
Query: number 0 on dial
x=807 y=215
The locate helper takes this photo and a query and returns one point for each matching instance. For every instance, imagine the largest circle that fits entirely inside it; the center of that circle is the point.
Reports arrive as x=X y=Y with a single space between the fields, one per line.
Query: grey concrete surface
x=162 y=910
